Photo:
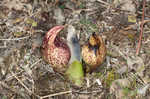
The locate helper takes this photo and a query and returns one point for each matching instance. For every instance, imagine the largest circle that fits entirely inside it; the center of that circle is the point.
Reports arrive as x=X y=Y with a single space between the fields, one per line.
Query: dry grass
x=24 y=74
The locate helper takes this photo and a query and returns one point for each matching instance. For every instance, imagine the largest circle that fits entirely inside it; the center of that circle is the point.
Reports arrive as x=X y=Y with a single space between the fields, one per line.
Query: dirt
x=25 y=75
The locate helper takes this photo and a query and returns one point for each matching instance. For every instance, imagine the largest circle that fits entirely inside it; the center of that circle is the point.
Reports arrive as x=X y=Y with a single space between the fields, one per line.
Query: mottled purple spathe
x=55 y=51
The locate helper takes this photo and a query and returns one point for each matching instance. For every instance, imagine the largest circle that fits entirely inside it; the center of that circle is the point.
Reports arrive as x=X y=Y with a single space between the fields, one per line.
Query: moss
x=90 y=26
x=110 y=77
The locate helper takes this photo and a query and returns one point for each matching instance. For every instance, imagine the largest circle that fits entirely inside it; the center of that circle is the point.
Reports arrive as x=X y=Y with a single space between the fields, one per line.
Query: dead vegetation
x=123 y=75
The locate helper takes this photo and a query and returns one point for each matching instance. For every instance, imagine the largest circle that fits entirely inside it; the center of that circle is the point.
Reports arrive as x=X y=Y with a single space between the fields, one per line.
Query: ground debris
x=24 y=74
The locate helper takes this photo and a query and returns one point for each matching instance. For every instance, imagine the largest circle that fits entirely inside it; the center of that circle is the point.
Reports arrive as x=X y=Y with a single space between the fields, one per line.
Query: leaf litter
x=24 y=74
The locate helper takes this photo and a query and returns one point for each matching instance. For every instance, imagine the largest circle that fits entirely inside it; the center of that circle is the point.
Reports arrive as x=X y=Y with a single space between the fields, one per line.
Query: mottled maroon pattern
x=55 y=51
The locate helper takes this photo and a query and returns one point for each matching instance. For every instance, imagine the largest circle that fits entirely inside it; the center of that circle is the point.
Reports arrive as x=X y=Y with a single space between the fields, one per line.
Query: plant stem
x=141 y=32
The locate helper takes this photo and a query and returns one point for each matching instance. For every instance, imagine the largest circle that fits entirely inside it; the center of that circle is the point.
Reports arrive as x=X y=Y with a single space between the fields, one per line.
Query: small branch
x=85 y=92
x=103 y=2
x=134 y=25
x=15 y=39
x=29 y=91
x=56 y=94
x=4 y=46
x=8 y=87
x=141 y=33
x=35 y=63
x=22 y=83
x=11 y=76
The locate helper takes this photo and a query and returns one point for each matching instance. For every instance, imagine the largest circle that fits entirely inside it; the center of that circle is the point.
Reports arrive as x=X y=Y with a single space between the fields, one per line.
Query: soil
x=25 y=75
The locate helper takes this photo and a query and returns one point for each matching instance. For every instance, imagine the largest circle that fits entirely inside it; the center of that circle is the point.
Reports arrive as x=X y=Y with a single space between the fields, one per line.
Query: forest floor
x=123 y=75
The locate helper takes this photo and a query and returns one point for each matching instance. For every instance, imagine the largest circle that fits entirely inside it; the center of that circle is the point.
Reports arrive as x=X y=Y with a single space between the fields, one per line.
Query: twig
x=103 y=2
x=23 y=70
x=4 y=46
x=56 y=94
x=22 y=83
x=15 y=39
x=11 y=76
x=85 y=92
x=132 y=26
x=12 y=89
x=35 y=63
x=8 y=87
x=141 y=33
